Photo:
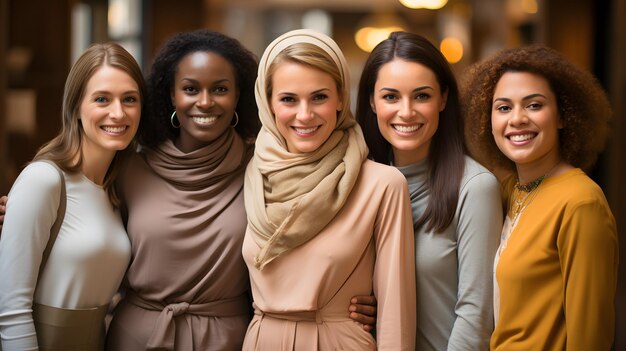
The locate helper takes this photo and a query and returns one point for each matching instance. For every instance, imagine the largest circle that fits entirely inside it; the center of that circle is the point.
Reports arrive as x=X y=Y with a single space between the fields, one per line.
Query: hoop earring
x=236 y=120
x=172 y=120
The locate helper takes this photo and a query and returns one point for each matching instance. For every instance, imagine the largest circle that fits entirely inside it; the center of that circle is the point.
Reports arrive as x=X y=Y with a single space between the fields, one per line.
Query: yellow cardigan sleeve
x=588 y=251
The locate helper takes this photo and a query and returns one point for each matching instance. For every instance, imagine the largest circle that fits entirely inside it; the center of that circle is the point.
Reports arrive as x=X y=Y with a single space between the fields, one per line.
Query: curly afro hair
x=155 y=126
x=582 y=104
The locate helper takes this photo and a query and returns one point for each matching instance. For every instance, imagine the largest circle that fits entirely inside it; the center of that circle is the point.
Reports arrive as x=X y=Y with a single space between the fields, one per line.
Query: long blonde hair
x=65 y=148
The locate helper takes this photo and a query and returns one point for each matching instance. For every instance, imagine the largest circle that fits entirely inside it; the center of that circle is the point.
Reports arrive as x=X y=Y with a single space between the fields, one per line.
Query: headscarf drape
x=291 y=197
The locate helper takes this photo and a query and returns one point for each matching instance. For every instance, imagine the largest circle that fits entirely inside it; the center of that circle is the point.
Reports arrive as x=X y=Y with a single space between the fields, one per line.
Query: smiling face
x=525 y=122
x=205 y=96
x=109 y=112
x=407 y=100
x=305 y=102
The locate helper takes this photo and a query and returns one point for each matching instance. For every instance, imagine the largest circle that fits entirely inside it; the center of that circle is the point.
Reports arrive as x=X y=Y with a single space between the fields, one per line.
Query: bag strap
x=56 y=226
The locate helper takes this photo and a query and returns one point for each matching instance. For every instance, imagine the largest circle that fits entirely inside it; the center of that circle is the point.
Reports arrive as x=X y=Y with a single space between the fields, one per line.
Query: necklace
x=521 y=196
x=528 y=187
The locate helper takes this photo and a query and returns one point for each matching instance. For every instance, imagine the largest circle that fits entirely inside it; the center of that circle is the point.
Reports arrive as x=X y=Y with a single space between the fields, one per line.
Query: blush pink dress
x=301 y=298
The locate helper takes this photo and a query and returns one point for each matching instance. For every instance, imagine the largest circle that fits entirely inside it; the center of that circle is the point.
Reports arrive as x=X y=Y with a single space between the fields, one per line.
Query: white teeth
x=406 y=129
x=522 y=137
x=204 y=120
x=305 y=130
x=114 y=129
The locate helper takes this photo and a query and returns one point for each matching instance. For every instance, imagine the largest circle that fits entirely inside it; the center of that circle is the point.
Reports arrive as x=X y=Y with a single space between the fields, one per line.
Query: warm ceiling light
x=374 y=29
x=424 y=4
x=530 y=6
x=452 y=49
x=367 y=38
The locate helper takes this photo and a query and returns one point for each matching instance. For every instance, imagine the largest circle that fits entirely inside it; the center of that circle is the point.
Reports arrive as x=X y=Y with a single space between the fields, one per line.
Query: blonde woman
x=325 y=224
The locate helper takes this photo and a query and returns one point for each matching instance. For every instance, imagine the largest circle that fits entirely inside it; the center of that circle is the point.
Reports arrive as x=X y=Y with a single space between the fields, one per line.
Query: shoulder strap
x=56 y=226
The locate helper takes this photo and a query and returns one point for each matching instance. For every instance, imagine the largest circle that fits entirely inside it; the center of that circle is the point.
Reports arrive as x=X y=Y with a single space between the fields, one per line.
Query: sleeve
x=588 y=252
x=478 y=234
x=31 y=212
x=394 y=271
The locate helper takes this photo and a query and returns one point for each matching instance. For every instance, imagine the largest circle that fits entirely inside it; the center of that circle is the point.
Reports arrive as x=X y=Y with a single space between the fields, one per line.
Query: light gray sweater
x=454 y=268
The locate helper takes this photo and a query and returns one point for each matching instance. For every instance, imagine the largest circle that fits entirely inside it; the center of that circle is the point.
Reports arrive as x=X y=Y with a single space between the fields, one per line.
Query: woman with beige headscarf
x=324 y=223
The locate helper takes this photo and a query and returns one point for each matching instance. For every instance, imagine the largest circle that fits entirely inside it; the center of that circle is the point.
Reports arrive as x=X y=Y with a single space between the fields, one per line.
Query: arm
x=478 y=231
x=588 y=252
x=363 y=310
x=29 y=217
x=394 y=271
x=3 y=210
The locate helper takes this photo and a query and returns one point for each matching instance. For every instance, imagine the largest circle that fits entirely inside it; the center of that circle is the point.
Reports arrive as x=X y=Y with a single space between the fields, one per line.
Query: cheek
x=429 y=111
x=384 y=112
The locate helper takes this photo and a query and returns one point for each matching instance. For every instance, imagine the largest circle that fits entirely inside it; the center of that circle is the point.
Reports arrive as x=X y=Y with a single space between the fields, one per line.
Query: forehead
x=203 y=64
x=107 y=77
x=523 y=83
x=399 y=70
x=300 y=76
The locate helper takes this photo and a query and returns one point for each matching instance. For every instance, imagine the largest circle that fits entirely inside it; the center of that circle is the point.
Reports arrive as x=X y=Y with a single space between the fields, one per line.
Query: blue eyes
x=315 y=98
x=125 y=100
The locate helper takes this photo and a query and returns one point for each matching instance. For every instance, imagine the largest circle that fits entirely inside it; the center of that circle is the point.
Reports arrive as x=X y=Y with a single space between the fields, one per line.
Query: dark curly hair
x=582 y=103
x=447 y=150
x=155 y=126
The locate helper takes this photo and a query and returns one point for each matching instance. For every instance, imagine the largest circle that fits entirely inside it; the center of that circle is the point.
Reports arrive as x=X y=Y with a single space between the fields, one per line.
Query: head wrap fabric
x=291 y=197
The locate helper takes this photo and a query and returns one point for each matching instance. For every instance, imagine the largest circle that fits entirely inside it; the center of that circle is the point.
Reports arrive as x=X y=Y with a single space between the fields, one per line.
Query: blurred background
x=40 y=39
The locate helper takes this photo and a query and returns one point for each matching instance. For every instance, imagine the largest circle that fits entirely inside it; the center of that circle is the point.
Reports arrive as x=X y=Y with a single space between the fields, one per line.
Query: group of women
x=287 y=223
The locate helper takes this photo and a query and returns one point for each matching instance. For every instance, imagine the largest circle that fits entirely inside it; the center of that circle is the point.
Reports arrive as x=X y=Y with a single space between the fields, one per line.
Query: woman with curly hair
x=187 y=284
x=531 y=113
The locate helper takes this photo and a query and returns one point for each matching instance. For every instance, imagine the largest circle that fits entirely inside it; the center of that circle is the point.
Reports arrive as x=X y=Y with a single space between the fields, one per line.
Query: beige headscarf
x=291 y=197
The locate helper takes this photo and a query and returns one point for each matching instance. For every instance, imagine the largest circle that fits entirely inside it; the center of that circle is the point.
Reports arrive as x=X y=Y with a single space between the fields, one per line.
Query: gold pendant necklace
x=521 y=194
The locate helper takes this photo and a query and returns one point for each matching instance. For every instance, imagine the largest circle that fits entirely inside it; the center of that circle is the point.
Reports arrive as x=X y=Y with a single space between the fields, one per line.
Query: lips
x=114 y=129
x=521 y=137
x=305 y=131
x=204 y=119
x=402 y=128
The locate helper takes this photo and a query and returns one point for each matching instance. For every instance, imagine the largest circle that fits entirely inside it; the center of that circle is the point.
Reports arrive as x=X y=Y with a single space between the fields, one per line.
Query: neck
x=403 y=158
x=528 y=184
x=95 y=167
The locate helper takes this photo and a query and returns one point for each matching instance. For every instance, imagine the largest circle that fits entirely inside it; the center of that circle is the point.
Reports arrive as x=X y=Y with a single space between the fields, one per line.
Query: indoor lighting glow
x=424 y=4
x=376 y=28
x=367 y=38
x=452 y=49
x=529 y=6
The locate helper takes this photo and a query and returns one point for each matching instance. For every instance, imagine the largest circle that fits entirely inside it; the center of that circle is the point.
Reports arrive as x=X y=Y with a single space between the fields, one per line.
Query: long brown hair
x=65 y=148
x=447 y=149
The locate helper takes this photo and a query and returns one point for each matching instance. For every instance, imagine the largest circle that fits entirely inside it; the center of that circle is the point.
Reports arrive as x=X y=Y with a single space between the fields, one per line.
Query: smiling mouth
x=305 y=131
x=204 y=120
x=114 y=130
x=522 y=137
x=406 y=129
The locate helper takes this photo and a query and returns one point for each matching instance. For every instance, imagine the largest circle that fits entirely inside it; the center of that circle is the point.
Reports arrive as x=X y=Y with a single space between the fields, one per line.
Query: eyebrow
x=106 y=92
x=195 y=81
x=527 y=97
x=414 y=90
x=312 y=93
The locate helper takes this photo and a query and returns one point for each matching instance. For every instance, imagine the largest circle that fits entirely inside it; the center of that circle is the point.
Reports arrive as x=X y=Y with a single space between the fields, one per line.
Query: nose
x=117 y=110
x=304 y=112
x=406 y=109
x=204 y=100
x=518 y=117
